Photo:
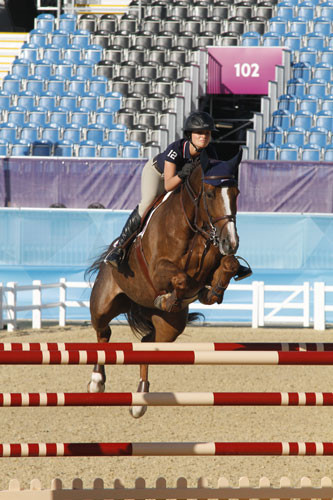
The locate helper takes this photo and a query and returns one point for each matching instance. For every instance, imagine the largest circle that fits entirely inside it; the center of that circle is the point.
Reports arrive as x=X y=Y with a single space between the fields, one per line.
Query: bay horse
x=185 y=252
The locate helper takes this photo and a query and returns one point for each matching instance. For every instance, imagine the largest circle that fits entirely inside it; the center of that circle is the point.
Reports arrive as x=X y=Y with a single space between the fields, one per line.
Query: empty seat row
x=310 y=103
x=291 y=152
x=299 y=136
x=316 y=87
x=302 y=118
x=51 y=52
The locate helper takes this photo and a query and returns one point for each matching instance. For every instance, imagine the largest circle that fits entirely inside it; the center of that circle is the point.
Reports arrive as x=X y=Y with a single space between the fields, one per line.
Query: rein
x=195 y=198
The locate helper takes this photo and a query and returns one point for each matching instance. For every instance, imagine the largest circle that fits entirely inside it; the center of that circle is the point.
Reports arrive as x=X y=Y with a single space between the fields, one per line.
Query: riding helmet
x=198 y=120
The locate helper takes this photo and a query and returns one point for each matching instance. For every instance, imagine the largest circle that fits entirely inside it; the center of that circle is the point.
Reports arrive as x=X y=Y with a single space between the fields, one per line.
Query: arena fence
x=291 y=306
x=161 y=491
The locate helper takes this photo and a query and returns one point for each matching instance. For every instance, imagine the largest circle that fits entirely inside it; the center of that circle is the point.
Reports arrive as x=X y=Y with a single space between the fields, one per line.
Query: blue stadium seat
x=292 y=41
x=302 y=70
x=309 y=103
x=315 y=41
x=131 y=149
x=95 y=132
x=295 y=135
x=318 y=136
x=81 y=117
x=39 y=115
x=323 y=71
x=250 y=39
x=118 y=133
x=296 y=86
x=281 y=118
x=104 y=116
x=267 y=151
x=328 y=153
x=5 y=99
x=74 y=54
x=99 y=85
x=326 y=10
x=64 y=148
x=72 y=133
x=70 y=101
x=26 y=99
x=310 y=153
x=278 y=25
x=298 y=25
x=317 y=87
x=38 y=37
x=8 y=132
x=324 y=119
x=85 y=70
x=30 y=132
x=60 y=116
x=17 y=115
x=56 y=84
x=87 y=149
x=52 y=52
x=327 y=56
x=52 y=132
x=288 y=152
x=45 y=22
x=108 y=149
x=93 y=53
x=41 y=148
x=29 y=51
x=271 y=39
x=67 y=22
x=4 y=147
x=77 y=84
x=113 y=101
x=48 y=100
x=21 y=148
x=60 y=38
x=327 y=103
x=306 y=10
x=35 y=83
x=43 y=68
x=285 y=10
x=11 y=84
x=20 y=67
x=287 y=102
x=303 y=119
x=322 y=25
x=89 y=100
x=309 y=55
x=64 y=69
x=80 y=38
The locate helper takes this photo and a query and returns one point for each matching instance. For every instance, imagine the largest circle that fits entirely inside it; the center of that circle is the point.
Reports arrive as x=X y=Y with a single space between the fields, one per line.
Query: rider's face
x=201 y=138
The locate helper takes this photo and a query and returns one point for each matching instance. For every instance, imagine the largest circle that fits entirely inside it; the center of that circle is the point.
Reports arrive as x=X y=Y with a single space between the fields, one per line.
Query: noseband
x=195 y=198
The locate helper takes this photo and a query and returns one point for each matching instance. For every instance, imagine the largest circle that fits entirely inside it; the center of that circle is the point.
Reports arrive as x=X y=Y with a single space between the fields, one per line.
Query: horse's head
x=216 y=198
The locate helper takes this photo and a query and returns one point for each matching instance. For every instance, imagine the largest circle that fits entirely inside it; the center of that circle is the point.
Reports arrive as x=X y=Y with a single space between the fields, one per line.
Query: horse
x=185 y=251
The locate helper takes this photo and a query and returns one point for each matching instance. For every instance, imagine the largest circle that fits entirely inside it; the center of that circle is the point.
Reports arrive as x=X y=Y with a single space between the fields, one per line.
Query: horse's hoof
x=137 y=411
x=96 y=384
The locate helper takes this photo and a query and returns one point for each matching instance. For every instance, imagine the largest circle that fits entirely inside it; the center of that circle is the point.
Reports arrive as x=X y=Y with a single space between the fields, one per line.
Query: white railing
x=160 y=491
x=291 y=304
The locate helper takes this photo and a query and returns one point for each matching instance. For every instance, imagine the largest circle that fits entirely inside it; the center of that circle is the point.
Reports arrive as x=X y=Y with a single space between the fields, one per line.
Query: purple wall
x=76 y=183
x=275 y=186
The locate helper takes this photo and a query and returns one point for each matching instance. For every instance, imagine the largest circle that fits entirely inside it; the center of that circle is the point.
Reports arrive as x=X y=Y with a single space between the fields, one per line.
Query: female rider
x=166 y=172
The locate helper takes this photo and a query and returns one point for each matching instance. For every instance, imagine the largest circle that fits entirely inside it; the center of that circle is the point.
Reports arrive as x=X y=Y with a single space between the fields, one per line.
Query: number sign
x=241 y=70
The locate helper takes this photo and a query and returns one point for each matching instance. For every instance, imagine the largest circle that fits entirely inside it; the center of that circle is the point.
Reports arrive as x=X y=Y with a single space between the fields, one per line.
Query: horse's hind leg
x=168 y=326
x=106 y=302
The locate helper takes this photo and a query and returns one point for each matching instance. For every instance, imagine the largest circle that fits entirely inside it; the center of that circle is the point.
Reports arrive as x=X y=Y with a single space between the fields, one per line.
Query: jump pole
x=165 y=449
x=168 y=399
x=165 y=346
x=165 y=358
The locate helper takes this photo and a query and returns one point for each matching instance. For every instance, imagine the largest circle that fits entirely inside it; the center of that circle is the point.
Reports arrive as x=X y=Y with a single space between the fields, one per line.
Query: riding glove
x=185 y=171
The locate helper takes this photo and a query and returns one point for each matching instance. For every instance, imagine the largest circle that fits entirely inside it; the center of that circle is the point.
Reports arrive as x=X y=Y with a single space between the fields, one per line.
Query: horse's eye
x=210 y=195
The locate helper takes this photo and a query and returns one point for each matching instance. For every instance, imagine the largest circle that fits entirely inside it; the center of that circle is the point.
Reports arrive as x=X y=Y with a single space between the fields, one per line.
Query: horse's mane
x=95 y=266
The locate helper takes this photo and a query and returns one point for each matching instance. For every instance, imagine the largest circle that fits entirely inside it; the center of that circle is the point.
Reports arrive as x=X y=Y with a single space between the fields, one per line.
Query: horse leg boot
x=117 y=254
x=139 y=411
x=98 y=377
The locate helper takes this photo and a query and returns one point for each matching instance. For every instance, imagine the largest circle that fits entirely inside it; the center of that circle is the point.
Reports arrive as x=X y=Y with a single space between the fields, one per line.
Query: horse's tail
x=95 y=266
x=141 y=325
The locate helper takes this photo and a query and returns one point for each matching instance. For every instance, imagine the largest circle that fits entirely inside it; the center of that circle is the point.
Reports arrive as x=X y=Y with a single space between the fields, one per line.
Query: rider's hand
x=185 y=171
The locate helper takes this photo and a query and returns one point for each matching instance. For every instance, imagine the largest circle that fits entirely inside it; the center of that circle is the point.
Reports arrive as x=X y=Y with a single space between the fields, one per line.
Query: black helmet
x=198 y=120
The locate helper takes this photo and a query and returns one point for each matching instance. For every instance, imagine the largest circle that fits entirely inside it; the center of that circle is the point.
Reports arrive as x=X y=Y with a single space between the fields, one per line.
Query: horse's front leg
x=98 y=377
x=214 y=291
x=172 y=301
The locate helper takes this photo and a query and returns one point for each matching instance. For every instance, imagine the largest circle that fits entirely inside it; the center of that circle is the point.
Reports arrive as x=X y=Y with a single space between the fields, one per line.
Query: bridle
x=209 y=235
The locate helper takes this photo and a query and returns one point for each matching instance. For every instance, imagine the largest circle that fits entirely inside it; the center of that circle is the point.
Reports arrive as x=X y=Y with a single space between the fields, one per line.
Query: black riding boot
x=115 y=257
x=242 y=273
